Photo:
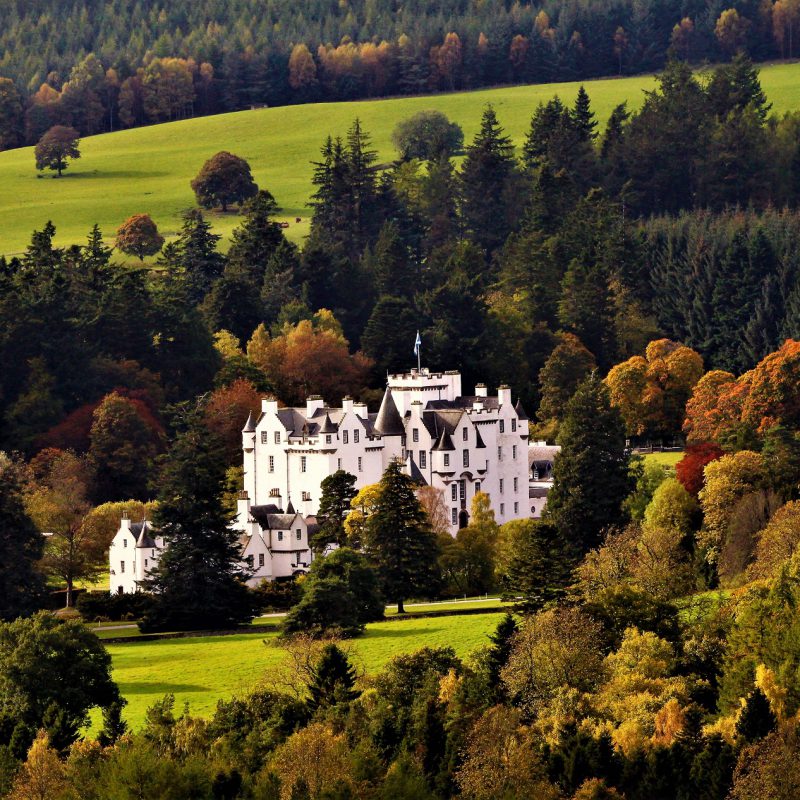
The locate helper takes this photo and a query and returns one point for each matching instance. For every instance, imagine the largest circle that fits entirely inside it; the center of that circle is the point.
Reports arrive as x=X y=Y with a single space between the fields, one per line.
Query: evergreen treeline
x=102 y=64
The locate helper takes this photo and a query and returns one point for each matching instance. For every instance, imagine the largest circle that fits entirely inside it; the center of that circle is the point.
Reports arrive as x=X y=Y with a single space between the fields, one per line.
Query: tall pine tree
x=199 y=580
x=591 y=477
x=400 y=541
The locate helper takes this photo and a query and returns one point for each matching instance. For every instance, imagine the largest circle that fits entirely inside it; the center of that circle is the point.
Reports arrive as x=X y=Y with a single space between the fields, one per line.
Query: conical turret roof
x=520 y=410
x=388 y=422
x=327 y=425
x=250 y=425
x=444 y=442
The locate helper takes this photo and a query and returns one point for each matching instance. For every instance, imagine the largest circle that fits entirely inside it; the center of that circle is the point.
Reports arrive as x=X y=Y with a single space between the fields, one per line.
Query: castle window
x=499 y=453
x=501 y=486
x=122 y=566
x=249 y=560
x=415 y=434
x=516 y=508
x=514 y=451
x=306 y=495
x=516 y=484
x=124 y=542
x=355 y=436
x=263 y=437
x=466 y=458
x=303 y=463
x=455 y=516
x=145 y=562
x=346 y=437
x=447 y=459
x=280 y=536
x=465 y=434
x=299 y=533
x=327 y=438
x=477 y=486
x=277 y=437
x=513 y=425
x=454 y=491
x=260 y=559
x=272 y=463
x=502 y=426
x=359 y=464
x=423 y=459
x=338 y=463
x=502 y=509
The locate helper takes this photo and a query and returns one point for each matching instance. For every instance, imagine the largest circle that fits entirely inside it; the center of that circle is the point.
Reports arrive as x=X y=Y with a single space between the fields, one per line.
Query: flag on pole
x=417 y=345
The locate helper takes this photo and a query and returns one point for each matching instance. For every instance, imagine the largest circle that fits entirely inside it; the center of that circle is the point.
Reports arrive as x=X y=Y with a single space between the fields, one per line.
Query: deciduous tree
x=222 y=180
x=58 y=145
x=139 y=236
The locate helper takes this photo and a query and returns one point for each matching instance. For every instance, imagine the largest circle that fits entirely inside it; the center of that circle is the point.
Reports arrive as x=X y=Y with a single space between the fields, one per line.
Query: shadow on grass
x=127 y=689
x=397 y=633
x=111 y=174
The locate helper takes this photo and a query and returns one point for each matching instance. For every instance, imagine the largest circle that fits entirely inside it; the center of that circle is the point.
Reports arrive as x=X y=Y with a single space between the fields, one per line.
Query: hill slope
x=149 y=169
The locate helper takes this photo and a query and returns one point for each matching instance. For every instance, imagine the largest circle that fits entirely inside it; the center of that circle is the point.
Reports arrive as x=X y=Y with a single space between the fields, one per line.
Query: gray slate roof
x=388 y=422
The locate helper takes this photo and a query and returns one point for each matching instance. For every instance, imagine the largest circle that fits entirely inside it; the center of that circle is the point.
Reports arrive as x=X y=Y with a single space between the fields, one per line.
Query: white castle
x=458 y=444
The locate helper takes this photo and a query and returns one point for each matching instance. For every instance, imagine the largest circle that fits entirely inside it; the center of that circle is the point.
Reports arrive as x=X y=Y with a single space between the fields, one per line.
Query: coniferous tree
x=400 y=541
x=391 y=326
x=199 y=580
x=756 y=718
x=21 y=546
x=338 y=490
x=591 y=476
x=333 y=679
x=486 y=176
x=497 y=655
x=198 y=253
x=583 y=117
x=279 y=287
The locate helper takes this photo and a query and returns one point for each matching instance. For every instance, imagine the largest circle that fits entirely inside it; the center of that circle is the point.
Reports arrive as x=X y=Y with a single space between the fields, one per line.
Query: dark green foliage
x=98 y=606
x=539 y=569
x=497 y=655
x=197 y=247
x=428 y=135
x=340 y=594
x=114 y=727
x=486 y=183
x=333 y=680
x=199 y=582
x=338 y=490
x=399 y=540
x=224 y=179
x=51 y=674
x=591 y=475
x=21 y=546
x=756 y=718
x=392 y=325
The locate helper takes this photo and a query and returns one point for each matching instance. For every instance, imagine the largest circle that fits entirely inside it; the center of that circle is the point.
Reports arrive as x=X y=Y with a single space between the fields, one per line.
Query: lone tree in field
x=199 y=581
x=224 y=179
x=400 y=540
x=138 y=236
x=428 y=135
x=55 y=147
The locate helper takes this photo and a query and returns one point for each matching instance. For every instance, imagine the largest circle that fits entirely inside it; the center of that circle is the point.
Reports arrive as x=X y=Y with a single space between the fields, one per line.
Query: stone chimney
x=269 y=405
x=347 y=404
x=313 y=403
x=504 y=395
x=481 y=390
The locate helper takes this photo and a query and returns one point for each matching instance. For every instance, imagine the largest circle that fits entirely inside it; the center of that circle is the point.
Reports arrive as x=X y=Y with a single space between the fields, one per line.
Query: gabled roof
x=520 y=410
x=270 y=519
x=388 y=422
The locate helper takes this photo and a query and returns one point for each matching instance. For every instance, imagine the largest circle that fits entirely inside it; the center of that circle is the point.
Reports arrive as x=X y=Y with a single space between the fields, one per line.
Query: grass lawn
x=665 y=459
x=149 y=169
x=202 y=670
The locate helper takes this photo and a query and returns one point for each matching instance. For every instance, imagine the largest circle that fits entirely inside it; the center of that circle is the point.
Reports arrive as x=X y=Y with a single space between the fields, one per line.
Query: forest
x=99 y=65
x=633 y=285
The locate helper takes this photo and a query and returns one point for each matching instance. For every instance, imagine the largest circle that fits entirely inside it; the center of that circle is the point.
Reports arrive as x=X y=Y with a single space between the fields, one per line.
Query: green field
x=665 y=459
x=200 y=671
x=149 y=169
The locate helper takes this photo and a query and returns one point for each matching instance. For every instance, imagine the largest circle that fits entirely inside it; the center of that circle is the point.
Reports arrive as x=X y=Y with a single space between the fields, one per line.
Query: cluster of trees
x=149 y=64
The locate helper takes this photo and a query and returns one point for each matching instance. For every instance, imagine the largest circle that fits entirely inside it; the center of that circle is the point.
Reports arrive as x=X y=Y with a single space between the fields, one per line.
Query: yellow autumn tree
x=43 y=775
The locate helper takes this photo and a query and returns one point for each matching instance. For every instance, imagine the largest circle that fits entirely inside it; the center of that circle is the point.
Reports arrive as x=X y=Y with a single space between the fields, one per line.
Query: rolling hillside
x=149 y=169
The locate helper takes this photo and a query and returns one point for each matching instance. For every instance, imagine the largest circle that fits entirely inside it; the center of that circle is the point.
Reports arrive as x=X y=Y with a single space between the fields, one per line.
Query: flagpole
x=418 y=348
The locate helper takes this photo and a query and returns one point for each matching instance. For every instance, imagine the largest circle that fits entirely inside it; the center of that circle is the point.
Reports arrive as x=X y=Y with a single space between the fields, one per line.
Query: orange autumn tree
x=651 y=391
x=311 y=357
x=722 y=406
